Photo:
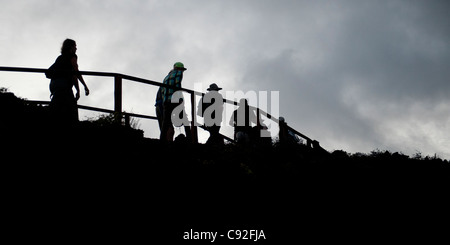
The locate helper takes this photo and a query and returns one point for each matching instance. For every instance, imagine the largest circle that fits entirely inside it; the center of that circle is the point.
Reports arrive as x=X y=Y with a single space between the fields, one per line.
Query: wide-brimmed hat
x=213 y=87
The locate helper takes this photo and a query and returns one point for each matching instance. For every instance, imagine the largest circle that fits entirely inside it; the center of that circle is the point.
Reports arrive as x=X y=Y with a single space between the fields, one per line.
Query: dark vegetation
x=103 y=180
x=29 y=127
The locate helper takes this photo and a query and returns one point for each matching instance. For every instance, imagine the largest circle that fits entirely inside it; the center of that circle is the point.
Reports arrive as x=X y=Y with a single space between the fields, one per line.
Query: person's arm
x=200 y=108
x=79 y=77
x=252 y=116
x=74 y=78
x=178 y=79
x=232 y=122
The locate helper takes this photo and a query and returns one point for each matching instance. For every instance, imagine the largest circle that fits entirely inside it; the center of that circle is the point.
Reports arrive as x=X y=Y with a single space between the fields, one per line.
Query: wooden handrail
x=118 y=97
x=90 y=108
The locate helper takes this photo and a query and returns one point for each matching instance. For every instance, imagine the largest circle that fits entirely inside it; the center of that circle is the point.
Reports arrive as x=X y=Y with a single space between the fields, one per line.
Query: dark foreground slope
x=100 y=183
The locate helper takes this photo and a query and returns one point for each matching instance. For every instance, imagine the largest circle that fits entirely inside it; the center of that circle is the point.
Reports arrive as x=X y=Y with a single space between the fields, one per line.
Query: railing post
x=118 y=98
x=193 y=121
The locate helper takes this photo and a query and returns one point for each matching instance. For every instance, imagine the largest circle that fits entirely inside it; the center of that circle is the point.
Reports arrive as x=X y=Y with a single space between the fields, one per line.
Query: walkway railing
x=118 y=78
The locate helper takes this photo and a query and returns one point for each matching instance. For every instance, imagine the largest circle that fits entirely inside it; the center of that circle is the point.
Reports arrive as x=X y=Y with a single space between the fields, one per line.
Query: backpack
x=50 y=72
x=55 y=70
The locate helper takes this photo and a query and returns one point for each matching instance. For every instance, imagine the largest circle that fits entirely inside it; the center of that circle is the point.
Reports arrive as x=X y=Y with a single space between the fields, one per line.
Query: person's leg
x=165 y=124
x=159 y=115
x=167 y=131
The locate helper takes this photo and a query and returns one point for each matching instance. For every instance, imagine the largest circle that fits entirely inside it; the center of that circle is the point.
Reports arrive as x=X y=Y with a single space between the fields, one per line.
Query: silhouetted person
x=257 y=135
x=174 y=78
x=159 y=108
x=210 y=108
x=64 y=75
x=286 y=136
x=242 y=120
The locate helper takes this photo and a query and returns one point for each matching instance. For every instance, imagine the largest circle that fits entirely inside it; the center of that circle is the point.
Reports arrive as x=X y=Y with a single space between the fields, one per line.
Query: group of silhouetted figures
x=170 y=107
x=64 y=75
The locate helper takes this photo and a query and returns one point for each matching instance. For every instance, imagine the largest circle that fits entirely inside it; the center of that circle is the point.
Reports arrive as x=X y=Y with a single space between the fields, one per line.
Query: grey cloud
x=374 y=64
x=348 y=72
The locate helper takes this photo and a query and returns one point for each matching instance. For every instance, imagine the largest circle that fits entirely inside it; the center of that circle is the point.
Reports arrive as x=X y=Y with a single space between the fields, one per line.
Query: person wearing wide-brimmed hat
x=210 y=108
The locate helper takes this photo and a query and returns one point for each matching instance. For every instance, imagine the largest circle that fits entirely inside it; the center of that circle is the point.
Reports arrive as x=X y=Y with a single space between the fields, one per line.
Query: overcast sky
x=354 y=75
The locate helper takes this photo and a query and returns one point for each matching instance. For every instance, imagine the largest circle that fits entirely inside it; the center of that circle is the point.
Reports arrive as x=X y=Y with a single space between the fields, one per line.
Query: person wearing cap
x=174 y=78
x=210 y=108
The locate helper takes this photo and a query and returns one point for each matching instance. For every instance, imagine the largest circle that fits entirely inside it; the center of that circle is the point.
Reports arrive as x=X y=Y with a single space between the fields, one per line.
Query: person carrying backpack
x=64 y=75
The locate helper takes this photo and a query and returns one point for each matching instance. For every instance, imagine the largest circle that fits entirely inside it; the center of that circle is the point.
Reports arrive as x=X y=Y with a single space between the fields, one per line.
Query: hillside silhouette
x=28 y=124
x=103 y=179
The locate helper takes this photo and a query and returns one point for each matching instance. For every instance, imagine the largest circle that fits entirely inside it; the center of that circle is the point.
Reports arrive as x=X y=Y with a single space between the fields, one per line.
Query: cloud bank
x=355 y=75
